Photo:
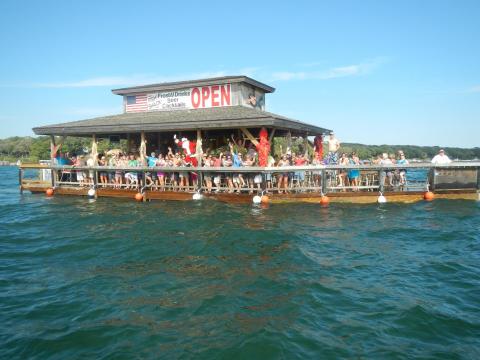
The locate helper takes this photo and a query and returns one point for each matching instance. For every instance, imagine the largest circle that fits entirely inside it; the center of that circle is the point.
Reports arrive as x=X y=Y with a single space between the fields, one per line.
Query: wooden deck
x=337 y=197
x=458 y=181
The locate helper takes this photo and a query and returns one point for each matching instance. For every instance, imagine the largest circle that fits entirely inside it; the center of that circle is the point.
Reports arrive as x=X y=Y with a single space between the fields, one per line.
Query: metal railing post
x=478 y=179
x=431 y=179
x=95 y=179
x=381 y=180
x=324 y=181
x=53 y=174
x=20 y=179
x=200 y=180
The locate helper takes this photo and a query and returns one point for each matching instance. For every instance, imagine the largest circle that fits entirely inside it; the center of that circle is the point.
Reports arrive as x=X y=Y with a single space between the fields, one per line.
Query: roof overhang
x=232 y=117
x=193 y=83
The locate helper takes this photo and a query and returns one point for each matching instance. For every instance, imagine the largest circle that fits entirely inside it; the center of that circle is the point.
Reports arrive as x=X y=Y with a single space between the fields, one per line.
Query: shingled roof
x=194 y=83
x=231 y=117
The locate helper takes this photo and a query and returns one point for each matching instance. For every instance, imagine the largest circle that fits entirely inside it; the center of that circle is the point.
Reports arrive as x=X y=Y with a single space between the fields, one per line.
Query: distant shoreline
x=31 y=149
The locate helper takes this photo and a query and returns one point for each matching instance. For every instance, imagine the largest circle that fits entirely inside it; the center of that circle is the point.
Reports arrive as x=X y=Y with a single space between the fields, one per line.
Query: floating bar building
x=209 y=112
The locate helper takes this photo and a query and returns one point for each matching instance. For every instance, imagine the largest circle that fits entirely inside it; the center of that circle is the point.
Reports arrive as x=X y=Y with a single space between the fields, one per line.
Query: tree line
x=32 y=149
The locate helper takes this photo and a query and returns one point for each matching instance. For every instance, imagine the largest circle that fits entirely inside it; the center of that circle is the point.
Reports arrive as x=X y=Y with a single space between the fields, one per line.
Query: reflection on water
x=119 y=279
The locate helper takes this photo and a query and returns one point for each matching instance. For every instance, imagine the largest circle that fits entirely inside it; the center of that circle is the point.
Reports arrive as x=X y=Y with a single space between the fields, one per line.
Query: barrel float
x=138 y=196
x=256 y=199
x=264 y=199
x=324 y=200
x=49 y=192
x=91 y=193
x=429 y=196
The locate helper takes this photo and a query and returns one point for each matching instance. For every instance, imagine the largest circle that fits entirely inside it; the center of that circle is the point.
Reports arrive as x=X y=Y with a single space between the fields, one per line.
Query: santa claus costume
x=189 y=149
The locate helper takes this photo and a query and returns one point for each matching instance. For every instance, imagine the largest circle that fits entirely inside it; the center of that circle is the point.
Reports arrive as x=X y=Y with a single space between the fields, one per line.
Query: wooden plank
x=249 y=136
x=270 y=138
x=168 y=195
x=117 y=193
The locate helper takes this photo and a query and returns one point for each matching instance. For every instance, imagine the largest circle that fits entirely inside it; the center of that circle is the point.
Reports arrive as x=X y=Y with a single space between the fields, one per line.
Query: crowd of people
x=237 y=155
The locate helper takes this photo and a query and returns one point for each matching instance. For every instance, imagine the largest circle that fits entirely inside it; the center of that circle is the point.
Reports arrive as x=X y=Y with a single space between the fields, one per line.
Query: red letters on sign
x=195 y=98
x=215 y=95
x=211 y=96
x=225 y=95
x=205 y=95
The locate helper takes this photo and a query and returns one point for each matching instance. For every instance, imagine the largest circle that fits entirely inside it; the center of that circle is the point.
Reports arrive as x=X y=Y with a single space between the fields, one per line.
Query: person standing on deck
x=441 y=158
x=333 y=147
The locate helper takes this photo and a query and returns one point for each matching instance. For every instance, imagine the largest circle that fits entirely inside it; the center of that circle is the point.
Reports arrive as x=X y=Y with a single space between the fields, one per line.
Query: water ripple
x=117 y=279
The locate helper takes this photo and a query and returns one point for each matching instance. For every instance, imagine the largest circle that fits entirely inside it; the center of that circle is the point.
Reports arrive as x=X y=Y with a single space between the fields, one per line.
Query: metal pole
x=20 y=179
x=324 y=181
x=95 y=182
x=381 y=180
x=431 y=179
x=200 y=181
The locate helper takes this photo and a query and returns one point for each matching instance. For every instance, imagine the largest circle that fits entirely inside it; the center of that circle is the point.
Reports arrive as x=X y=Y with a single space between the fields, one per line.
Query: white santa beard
x=186 y=147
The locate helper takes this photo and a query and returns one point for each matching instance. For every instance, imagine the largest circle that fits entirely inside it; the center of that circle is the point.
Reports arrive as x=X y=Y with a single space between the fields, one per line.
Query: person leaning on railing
x=402 y=172
x=441 y=158
x=354 y=174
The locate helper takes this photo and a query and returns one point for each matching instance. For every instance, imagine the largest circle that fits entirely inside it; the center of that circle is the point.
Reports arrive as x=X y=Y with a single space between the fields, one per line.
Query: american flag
x=136 y=103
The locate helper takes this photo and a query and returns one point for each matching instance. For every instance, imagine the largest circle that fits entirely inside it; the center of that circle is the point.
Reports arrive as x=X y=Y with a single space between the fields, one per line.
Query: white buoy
x=382 y=199
x=257 y=199
x=197 y=196
x=91 y=193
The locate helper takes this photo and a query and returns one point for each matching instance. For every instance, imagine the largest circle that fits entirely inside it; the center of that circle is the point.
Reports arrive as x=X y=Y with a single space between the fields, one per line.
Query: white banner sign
x=192 y=98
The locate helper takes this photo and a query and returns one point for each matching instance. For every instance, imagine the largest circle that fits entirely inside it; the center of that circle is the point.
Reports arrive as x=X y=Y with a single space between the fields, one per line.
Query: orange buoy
x=324 y=200
x=49 y=192
x=139 y=196
x=429 y=196
x=265 y=199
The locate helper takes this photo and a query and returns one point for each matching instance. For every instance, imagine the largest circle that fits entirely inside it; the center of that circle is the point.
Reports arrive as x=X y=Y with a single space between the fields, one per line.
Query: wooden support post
x=54 y=146
x=289 y=142
x=305 y=144
x=249 y=136
x=272 y=134
x=53 y=150
x=158 y=143
x=129 y=143
x=199 y=149
x=143 y=147
x=94 y=149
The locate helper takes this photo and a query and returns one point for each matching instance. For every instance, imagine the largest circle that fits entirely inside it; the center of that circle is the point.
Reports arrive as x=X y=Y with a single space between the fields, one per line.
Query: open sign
x=211 y=96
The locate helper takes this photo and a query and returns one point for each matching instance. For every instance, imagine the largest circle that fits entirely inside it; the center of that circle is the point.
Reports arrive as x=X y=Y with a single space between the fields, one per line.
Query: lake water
x=116 y=279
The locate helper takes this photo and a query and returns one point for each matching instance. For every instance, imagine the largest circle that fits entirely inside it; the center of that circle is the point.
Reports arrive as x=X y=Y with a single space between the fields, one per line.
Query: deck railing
x=320 y=178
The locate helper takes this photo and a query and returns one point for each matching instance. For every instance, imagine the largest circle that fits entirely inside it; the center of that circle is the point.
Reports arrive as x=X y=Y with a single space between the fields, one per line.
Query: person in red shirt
x=299 y=160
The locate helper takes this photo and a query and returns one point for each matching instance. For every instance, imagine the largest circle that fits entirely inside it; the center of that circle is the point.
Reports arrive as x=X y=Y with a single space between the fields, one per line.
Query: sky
x=377 y=72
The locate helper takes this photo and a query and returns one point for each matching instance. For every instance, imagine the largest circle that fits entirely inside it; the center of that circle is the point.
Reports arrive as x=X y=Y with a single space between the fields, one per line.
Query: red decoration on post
x=263 y=148
x=318 y=146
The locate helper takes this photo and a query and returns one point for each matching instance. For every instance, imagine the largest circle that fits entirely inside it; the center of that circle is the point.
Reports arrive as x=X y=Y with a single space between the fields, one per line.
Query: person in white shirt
x=441 y=158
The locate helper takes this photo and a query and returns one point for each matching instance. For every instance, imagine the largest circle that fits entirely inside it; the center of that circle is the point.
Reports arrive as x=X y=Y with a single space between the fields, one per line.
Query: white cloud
x=332 y=73
x=474 y=89
x=141 y=79
x=130 y=80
